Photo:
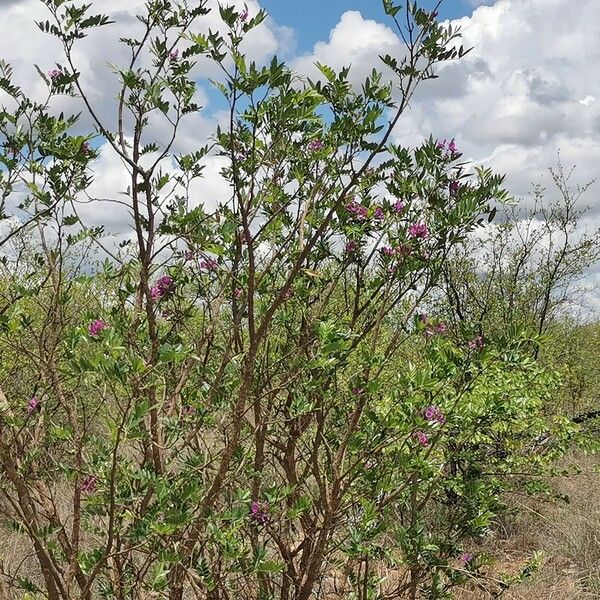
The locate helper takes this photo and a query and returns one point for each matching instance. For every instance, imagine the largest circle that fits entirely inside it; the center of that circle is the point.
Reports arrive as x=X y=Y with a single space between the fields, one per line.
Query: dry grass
x=567 y=535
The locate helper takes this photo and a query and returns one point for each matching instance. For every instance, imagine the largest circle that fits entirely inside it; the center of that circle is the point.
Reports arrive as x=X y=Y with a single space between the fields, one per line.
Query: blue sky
x=312 y=20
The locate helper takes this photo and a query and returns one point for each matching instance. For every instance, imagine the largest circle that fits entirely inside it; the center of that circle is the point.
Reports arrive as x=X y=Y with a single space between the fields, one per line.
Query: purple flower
x=54 y=74
x=89 y=484
x=97 y=326
x=174 y=55
x=316 y=145
x=434 y=415
x=441 y=145
x=187 y=411
x=466 y=557
x=209 y=264
x=85 y=148
x=163 y=286
x=388 y=251
x=32 y=405
x=351 y=246
x=423 y=318
x=237 y=293
x=422 y=438
x=244 y=16
x=259 y=512
x=454 y=187
x=359 y=211
x=288 y=293
x=398 y=207
x=418 y=230
x=441 y=327
x=379 y=214
x=452 y=146
x=476 y=343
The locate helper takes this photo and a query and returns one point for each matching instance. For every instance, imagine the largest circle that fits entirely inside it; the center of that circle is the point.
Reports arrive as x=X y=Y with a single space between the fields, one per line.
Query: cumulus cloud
x=354 y=42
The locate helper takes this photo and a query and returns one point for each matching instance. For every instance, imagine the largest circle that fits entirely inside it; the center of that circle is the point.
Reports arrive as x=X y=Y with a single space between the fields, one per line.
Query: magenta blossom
x=434 y=415
x=418 y=230
x=359 y=211
x=398 y=207
x=32 y=405
x=351 y=246
x=259 y=512
x=288 y=293
x=187 y=411
x=244 y=16
x=163 y=286
x=466 y=557
x=54 y=74
x=174 y=55
x=388 y=251
x=454 y=187
x=89 y=484
x=97 y=326
x=438 y=328
x=448 y=147
x=476 y=343
x=316 y=145
x=422 y=438
x=237 y=293
x=209 y=264
x=379 y=214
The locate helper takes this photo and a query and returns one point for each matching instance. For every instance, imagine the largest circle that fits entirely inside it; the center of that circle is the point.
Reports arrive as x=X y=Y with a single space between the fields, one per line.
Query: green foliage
x=240 y=400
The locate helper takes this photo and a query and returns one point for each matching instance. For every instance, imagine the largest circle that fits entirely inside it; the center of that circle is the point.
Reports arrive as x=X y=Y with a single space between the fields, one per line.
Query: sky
x=312 y=20
x=528 y=90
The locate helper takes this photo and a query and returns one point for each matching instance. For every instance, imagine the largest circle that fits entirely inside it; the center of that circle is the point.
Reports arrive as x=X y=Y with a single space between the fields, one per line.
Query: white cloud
x=355 y=42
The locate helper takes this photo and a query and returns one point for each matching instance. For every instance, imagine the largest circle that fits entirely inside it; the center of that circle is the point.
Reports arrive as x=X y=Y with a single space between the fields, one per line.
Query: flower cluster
x=357 y=210
x=32 y=405
x=454 y=187
x=448 y=147
x=259 y=512
x=244 y=16
x=174 y=55
x=97 y=326
x=316 y=145
x=434 y=415
x=476 y=343
x=398 y=207
x=422 y=438
x=418 y=230
x=438 y=328
x=209 y=264
x=351 y=247
x=89 y=484
x=163 y=287
x=54 y=74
